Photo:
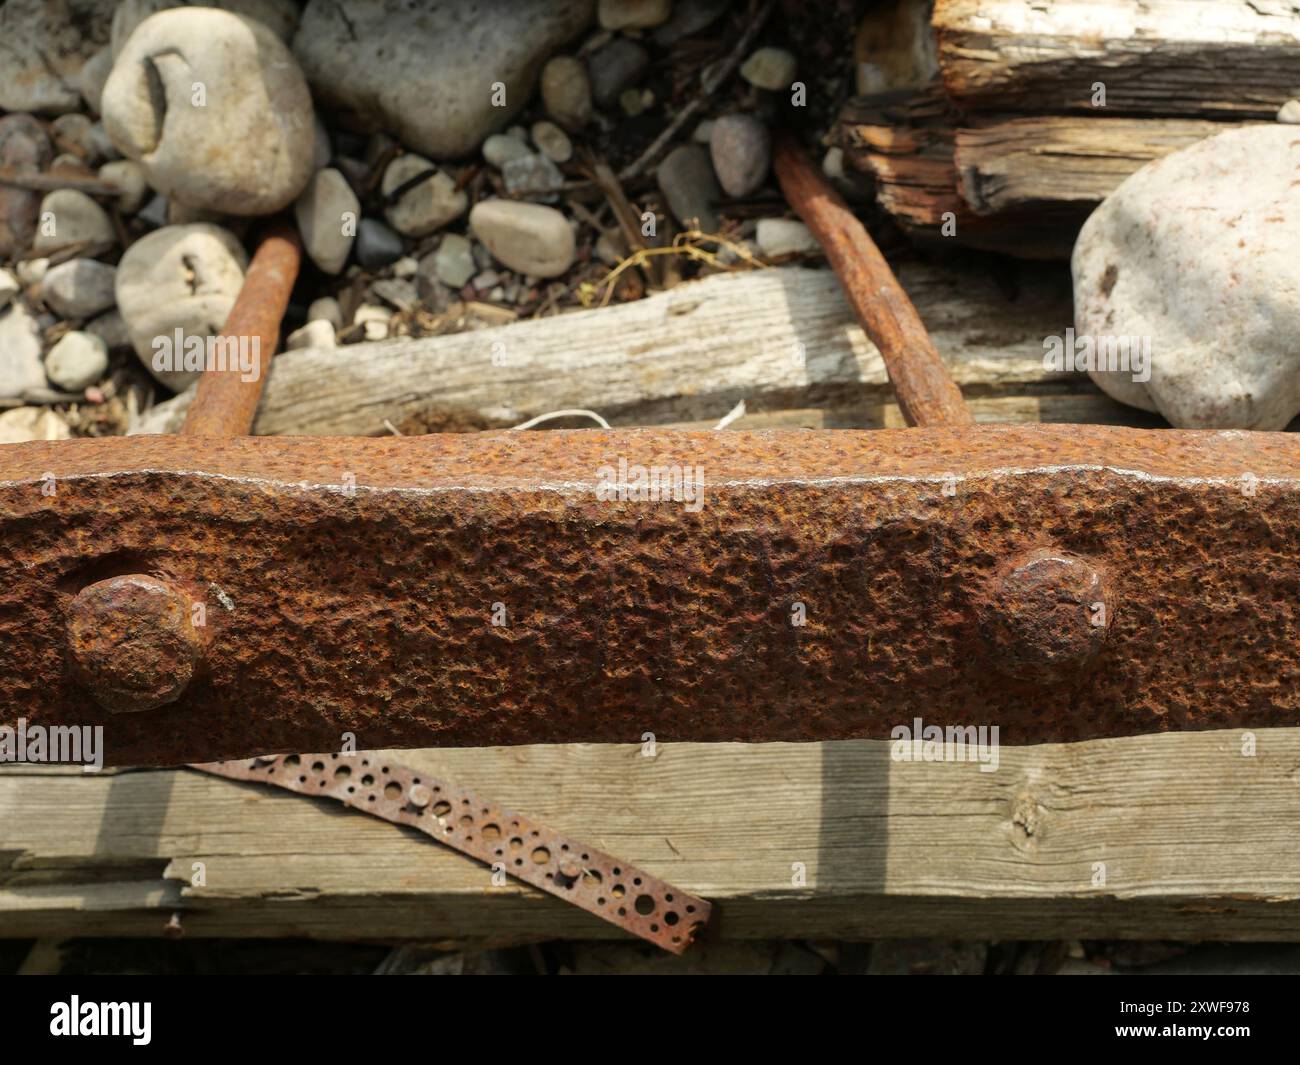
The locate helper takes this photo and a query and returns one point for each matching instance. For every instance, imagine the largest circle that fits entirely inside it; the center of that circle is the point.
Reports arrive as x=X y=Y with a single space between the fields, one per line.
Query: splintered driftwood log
x=1021 y=184
x=1183 y=835
x=1038 y=111
x=780 y=339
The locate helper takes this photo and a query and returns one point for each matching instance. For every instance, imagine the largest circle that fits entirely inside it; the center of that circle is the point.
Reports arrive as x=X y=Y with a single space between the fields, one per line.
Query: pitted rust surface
x=504 y=839
x=352 y=585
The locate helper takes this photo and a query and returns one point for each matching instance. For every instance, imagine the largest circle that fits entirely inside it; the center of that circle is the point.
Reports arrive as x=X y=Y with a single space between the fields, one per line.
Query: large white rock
x=215 y=107
x=43 y=46
x=432 y=73
x=178 y=277
x=1196 y=255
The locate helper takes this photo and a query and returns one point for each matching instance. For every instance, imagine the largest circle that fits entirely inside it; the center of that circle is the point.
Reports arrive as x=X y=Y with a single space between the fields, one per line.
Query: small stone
x=80 y=288
x=397 y=292
x=90 y=82
x=487 y=280
x=178 y=278
x=631 y=102
x=703 y=132
x=501 y=148
x=405 y=267
x=426 y=206
x=73 y=134
x=315 y=334
x=527 y=237
x=533 y=177
x=110 y=327
x=741 y=149
x=20 y=352
x=373 y=321
x=553 y=141
x=326 y=309
x=615 y=66
x=687 y=181
x=241 y=153
x=129 y=177
x=377 y=245
x=785 y=236
x=453 y=262
x=77 y=361
x=770 y=68
x=327 y=213
x=68 y=163
x=1289 y=112
x=634 y=14
x=24 y=424
x=24 y=146
x=9 y=288
x=32 y=271
x=69 y=217
x=566 y=92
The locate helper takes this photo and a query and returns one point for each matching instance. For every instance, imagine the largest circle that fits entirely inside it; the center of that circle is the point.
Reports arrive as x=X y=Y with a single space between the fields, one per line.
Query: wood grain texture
x=1021 y=184
x=1221 y=58
x=1052 y=161
x=1195 y=838
x=780 y=337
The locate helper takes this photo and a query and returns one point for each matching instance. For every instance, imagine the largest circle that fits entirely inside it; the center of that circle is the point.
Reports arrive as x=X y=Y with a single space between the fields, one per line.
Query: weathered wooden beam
x=1222 y=58
x=1176 y=835
x=785 y=336
x=1022 y=184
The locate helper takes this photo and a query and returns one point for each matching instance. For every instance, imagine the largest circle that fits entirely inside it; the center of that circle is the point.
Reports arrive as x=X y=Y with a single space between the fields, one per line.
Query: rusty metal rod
x=226 y=401
x=922 y=384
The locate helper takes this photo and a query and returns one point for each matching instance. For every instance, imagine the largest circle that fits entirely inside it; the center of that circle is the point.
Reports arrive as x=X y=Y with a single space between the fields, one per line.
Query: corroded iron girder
x=1061 y=582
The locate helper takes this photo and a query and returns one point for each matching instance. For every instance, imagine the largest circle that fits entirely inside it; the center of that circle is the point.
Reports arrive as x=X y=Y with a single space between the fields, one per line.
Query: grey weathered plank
x=1220 y=58
x=784 y=335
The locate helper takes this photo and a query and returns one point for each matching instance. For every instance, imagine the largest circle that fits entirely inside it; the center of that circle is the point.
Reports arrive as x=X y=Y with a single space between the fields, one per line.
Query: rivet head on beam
x=1046 y=613
x=134 y=642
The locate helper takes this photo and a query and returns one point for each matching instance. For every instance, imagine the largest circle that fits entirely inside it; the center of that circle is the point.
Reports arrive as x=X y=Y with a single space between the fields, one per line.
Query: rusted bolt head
x=134 y=643
x=419 y=796
x=1046 y=614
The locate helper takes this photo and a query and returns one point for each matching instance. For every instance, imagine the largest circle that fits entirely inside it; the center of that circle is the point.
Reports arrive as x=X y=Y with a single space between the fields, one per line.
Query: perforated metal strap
x=597 y=882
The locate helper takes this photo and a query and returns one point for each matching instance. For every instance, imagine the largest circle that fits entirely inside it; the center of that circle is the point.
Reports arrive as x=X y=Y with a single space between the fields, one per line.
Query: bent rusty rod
x=226 y=403
x=922 y=384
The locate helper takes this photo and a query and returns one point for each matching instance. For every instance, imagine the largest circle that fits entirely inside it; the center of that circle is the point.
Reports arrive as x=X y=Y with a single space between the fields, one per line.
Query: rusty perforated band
x=599 y=883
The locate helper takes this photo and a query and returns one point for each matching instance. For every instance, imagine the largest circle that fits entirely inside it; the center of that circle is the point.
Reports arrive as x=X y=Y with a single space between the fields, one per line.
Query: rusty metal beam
x=1061 y=582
